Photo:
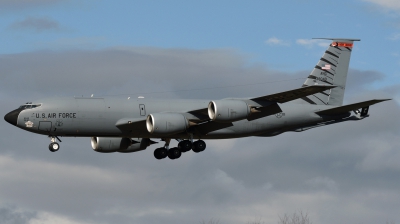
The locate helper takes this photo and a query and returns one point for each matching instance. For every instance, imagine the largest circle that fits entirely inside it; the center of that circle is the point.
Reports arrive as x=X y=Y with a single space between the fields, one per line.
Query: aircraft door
x=45 y=126
x=142 y=110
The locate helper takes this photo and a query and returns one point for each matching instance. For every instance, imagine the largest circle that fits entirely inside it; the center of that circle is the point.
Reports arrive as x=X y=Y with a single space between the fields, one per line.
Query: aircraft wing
x=138 y=125
x=290 y=95
x=350 y=107
x=200 y=119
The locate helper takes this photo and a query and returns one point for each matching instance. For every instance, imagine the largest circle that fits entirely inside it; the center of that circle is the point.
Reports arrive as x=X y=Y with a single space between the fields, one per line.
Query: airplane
x=128 y=125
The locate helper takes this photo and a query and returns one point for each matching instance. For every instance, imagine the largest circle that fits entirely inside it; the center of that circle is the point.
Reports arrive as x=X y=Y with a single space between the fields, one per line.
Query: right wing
x=290 y=95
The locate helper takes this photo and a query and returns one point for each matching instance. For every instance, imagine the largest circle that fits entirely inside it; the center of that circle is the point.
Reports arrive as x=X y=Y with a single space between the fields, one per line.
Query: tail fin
x=332 y=70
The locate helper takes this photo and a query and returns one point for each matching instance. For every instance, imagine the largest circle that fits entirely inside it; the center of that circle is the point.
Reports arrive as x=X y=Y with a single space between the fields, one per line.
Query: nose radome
x=12 y=117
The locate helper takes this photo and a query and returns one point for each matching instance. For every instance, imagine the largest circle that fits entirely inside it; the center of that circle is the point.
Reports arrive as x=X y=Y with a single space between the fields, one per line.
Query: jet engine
x=166 y=123
x=107 y=144
x=228 y=110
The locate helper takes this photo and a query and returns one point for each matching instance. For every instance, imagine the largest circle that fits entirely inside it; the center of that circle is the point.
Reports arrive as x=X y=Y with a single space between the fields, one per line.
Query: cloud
x=37 y=24
x=133 y=70
x=10 y=215
x=48 y=218
x=73 y=43
x=276 y=41
x=313 y=42
x=323 y=183
x=347 y=171
x=395 y=36
x=386 y=4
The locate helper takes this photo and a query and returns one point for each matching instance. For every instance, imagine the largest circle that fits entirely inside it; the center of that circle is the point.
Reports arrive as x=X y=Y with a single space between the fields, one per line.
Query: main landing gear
x=176 y=152
x=54 y=146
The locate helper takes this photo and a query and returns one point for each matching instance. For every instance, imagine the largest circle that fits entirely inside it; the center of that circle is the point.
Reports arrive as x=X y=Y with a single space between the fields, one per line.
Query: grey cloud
x=141 y=71
x=386 y=4
x=38 y=24
x=338 y=173
x=153 y=73
x=9 y=215
x=362 y=78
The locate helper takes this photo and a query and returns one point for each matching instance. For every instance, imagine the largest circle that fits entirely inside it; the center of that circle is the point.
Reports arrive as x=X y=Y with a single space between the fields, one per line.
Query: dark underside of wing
x=350 y=107
x=132 y=125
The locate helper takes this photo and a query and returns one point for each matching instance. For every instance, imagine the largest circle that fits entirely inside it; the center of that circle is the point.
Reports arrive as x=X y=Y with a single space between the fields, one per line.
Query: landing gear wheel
x=198 y=146
x=185 y=145
x=174 y=153
x=54 y=147
x=160 y=153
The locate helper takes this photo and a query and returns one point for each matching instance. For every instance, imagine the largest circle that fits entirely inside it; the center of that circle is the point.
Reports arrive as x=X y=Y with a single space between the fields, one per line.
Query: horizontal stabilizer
x=290 y=95
x=350 y=107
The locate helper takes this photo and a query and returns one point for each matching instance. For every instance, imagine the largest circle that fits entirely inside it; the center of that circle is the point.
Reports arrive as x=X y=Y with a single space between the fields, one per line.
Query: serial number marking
x=55 y=115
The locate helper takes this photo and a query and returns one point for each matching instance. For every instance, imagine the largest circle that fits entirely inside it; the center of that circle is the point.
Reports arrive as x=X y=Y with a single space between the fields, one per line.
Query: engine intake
x=228 y=110
x=166 y=123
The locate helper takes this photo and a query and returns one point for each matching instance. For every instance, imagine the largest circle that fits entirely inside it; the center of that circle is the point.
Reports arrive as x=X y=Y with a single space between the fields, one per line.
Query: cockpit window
x=29 y=106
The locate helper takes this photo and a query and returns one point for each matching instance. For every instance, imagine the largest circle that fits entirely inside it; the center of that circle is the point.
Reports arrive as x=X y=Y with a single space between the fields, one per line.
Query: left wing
x=200 y=119
x=136 y=125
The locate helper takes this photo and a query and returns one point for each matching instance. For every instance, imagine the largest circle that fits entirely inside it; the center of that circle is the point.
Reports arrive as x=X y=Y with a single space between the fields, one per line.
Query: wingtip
x=381 y=100
x=326 y=86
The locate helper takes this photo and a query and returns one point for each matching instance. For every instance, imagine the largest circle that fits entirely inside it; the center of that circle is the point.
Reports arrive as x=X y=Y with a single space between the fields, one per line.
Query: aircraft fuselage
x=89 y=117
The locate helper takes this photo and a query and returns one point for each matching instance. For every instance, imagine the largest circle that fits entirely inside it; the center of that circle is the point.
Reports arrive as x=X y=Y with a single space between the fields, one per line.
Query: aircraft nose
x=12 y=117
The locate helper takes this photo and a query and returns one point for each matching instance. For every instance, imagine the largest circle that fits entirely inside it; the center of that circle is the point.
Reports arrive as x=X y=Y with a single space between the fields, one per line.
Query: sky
x=343 y=173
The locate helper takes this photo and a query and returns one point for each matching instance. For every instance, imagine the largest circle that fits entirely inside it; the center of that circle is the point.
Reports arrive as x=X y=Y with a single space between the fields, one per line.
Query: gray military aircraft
x=128 y=125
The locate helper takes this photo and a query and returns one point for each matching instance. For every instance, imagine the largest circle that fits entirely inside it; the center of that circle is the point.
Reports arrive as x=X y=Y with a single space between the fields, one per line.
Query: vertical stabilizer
x=331 y=70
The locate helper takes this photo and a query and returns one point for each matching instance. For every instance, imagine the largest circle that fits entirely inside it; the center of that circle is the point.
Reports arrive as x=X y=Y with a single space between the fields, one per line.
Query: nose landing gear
x=54 y=146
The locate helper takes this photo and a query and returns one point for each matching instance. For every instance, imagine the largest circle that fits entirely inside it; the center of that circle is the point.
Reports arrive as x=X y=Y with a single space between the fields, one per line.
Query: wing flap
x=290 y=95
x=136 y=125
x=350 y=107
x=210 y=126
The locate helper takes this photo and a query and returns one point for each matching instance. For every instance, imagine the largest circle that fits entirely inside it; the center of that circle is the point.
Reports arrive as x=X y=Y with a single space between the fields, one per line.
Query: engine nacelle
x=228 y=110
x=166 y=123
x=107 y=144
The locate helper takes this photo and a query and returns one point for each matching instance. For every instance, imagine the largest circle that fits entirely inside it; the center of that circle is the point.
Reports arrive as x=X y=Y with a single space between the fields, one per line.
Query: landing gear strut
x=162 y=152
x=54 y=146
